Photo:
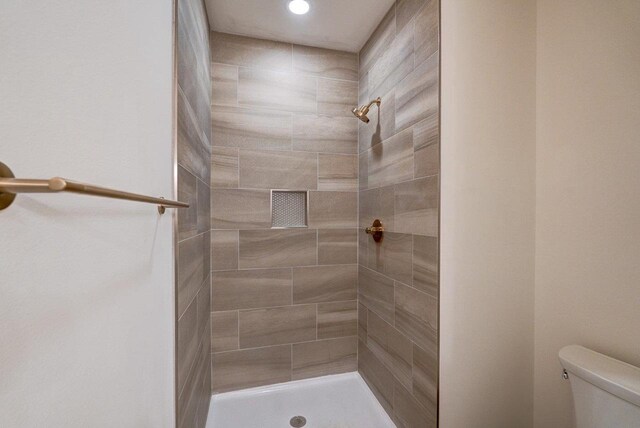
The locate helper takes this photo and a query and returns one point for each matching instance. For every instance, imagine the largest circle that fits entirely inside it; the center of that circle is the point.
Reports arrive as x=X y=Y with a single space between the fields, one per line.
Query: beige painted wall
x=588 y=190
x=487 y=226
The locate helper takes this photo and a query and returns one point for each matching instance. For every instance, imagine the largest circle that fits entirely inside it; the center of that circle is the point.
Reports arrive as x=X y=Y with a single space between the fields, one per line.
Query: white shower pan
x=337 y=401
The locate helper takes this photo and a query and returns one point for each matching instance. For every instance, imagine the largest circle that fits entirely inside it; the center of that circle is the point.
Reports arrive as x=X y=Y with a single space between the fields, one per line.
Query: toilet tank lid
x=614 y=376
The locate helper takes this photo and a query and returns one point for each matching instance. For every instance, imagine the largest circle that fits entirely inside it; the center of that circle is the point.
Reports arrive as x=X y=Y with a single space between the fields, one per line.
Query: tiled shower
x=301 y=302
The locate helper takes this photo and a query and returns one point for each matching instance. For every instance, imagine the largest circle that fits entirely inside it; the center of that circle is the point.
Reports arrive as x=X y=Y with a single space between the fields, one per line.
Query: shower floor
x=338 y=401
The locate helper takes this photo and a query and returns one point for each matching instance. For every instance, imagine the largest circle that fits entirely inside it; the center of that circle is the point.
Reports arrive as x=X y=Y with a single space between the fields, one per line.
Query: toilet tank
x=606 y=392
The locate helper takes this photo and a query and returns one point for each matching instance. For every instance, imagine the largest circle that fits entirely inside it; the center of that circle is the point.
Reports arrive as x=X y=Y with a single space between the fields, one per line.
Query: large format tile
x=427 y=36
x=393 y=65
x=277 y=326
x=379 y=41
x=416 y=315
x=337 y=97
x=377 y=204
x=408 y=412
x=406 y=10
x=417 y=95
x=325 y=63
x=224 y=84
x=250 y=128
x=187 y=343
x=252 y=367
x=362 y=322
x=391 y=347
x=425 y=264
x=277 y=248
x=333 y=209
x=203 y=208
x=324 y=357
x=416 y=207
x=278 y=170
x=392 y=256
x=337 y=172
x=337 y=319
x=336 y=246
x=376 y=292
x=249 y=289
x=224 y=168
x=316 y=284
x=224 y=249
x=425 y=377
x=187 y=192
x=249 y=52
x=192 y=268
x=382 y=123
x=194 y=147
x=277 y=90
x=240 y=209
x=391 y=161
x=224 y=331
x=324 y=134
x=377 y=376
x=426 y=146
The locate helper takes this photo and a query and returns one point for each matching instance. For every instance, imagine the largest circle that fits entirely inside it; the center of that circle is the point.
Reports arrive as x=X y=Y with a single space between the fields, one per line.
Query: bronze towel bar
x=10 y=186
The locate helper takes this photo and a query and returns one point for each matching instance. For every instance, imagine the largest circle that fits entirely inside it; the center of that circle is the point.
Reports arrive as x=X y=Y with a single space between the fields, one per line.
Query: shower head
x=361 y=112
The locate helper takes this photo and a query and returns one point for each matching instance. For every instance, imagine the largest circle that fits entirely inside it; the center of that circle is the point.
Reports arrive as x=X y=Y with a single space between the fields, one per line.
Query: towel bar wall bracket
x=10 y=186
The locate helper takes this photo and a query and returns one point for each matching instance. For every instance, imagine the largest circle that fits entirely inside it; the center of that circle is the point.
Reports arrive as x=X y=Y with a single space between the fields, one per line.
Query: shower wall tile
x=336 y=246
x=250 y=368
x=187 y=217
x=224 y=331
x=224 y=168
x=278 y=170
x=336 y=97
x=276 y=90
x=248 y=128
x=322 y=134
x=324 y=357
x=315 y=284
x=399 y=165
x=277 y=248
x=240 y=209
x=333 y=209
x=249 y=289
x=325 y=63
x=338 y=319
x=249 y=52
x=194 y=147
x=417 y=95
x=224 y=84
x=203 y=206
x=416 y=207
x=277 y=326
x=188 y=342
x=192 y=270
x=338 y=172
x=224 y=249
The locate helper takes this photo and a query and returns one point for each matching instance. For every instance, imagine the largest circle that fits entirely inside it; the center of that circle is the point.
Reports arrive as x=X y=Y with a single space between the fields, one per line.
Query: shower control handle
x=376 y=230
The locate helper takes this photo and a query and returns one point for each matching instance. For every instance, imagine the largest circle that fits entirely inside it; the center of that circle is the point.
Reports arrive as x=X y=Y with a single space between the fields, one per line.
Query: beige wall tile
x=325 y=134
x=249 y=289
x=409 y=412
x=187 y=343
x=391 y=347
x=278 y=170
x=333 y=209
x=224 y=331
x=324 y=357
x=277 y=326
x=406 y=10
x=194 y=147
x=187 y=192
x=338 y=319
x=277 y=248
x=393 y=65
x=362 y=322
x=417 y=96
x=337 y=246
x=379 y=41
x=377 y=204
x=249 y=52
x=391 y=161
x=427 y=36
x=240 y=209
x=224 y=168
x=224 y=84
x=325 y=63
x=416 y=315
x=192 y=269
x=416 y=207
x=425 y=264
x=337 y=172
x=392 y=256
x=316 y=284
x=249 y=368
x=377 y=376
x=382 y=123
x=250 y=128
x=426 y=146
x=224 y=249
x=425 y=377
x=203 y=209
x=276 y=90
x=376 y=292
x=363 y=172
x=337 y=97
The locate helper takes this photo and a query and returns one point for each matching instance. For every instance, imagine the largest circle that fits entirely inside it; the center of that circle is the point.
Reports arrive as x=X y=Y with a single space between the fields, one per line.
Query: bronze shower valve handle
x=376 y=230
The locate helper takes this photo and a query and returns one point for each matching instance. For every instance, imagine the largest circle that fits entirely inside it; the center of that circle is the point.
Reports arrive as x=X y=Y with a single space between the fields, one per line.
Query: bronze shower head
x=361 y=112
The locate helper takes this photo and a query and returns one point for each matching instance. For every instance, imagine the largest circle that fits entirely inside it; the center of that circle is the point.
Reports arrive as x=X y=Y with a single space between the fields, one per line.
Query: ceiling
x=334 y=24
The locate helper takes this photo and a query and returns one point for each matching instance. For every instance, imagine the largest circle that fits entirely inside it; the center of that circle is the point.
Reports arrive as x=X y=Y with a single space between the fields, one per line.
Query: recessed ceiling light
x=299 y=7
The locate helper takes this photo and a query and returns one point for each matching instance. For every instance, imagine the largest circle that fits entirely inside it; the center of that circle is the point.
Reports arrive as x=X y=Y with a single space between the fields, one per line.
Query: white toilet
x=606 y=392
